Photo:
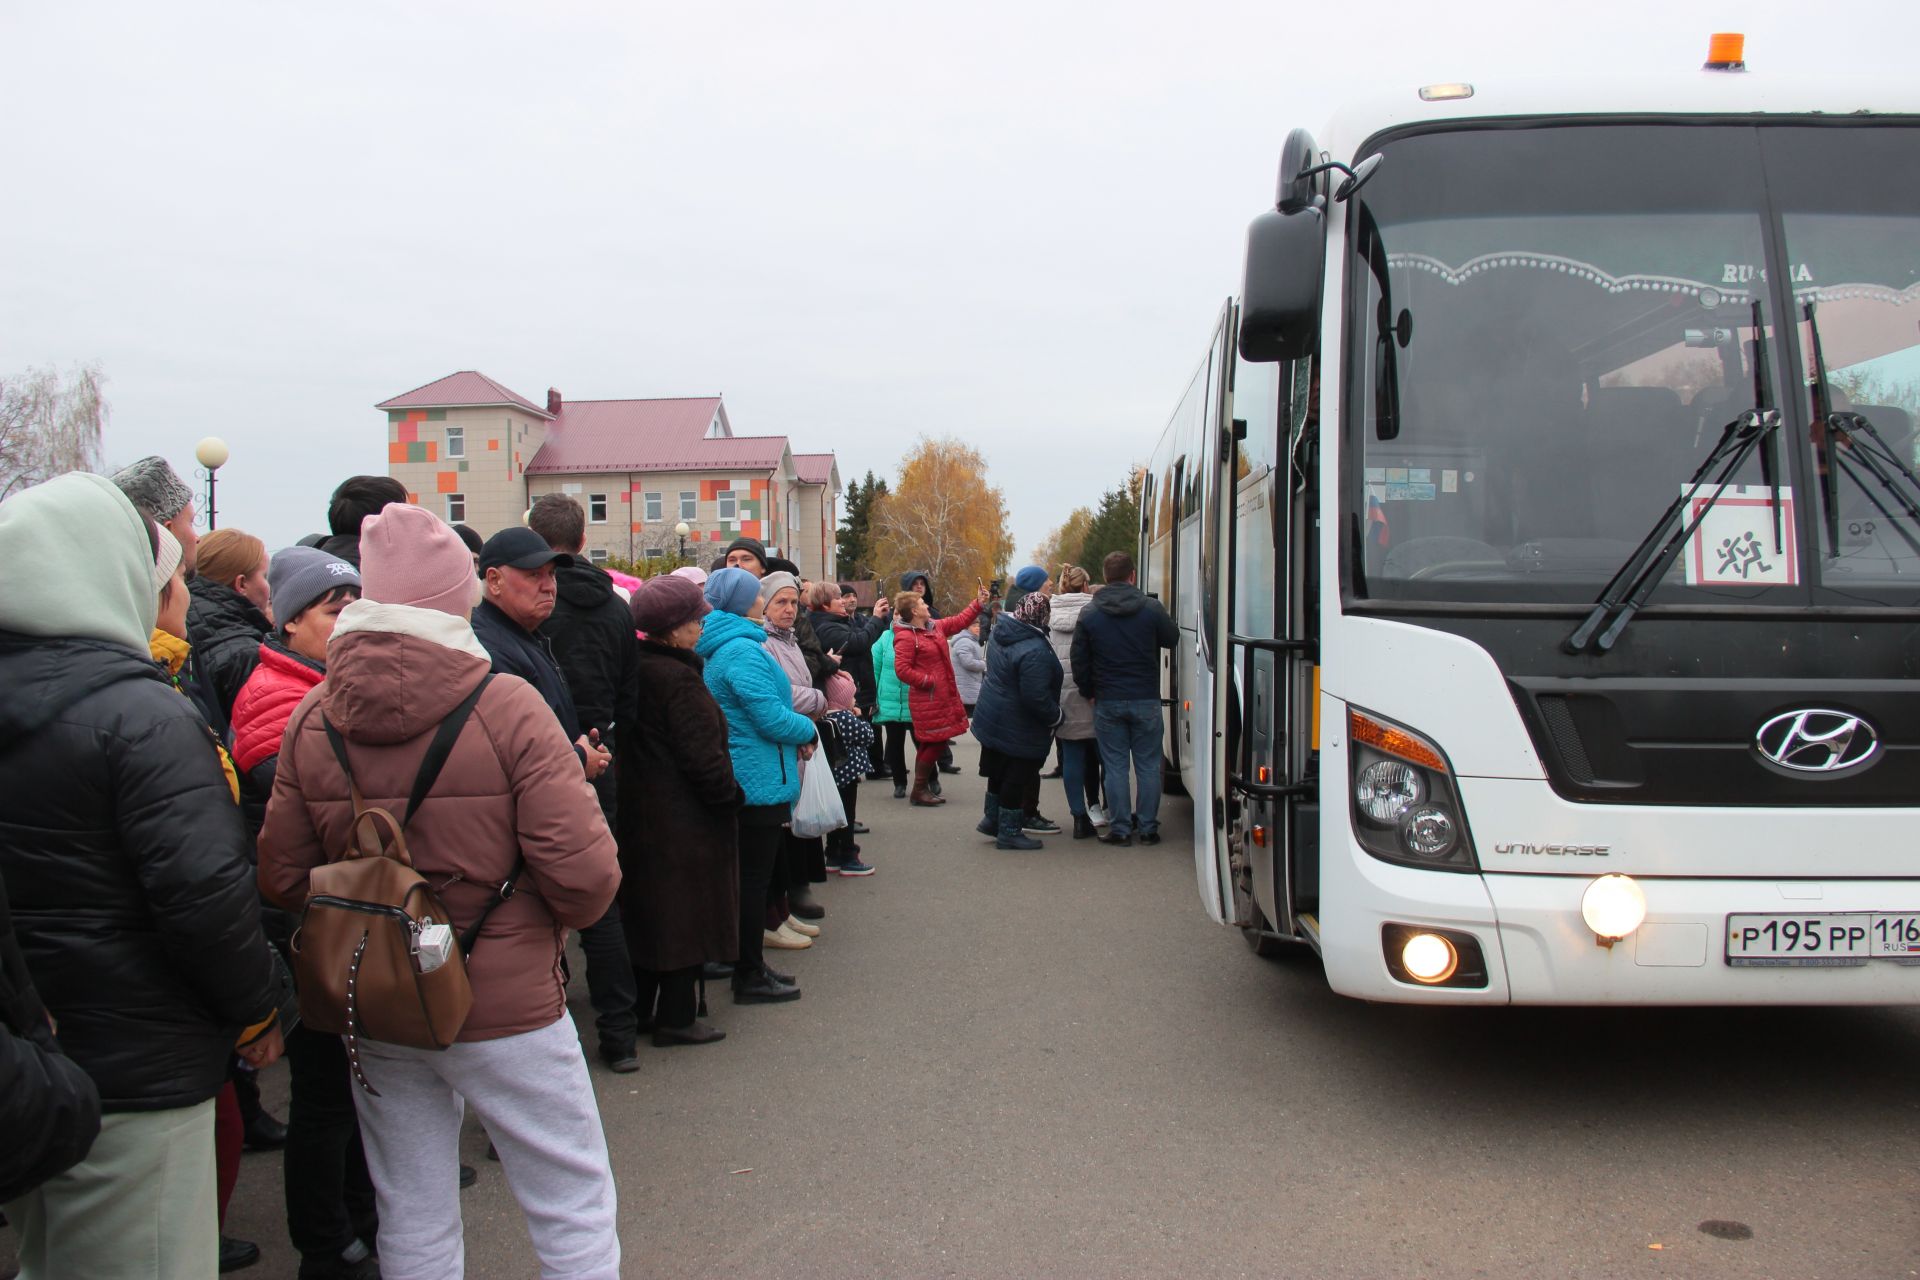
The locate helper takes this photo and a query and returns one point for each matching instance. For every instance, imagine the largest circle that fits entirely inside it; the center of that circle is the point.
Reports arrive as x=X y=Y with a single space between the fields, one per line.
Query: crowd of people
x=196 y=727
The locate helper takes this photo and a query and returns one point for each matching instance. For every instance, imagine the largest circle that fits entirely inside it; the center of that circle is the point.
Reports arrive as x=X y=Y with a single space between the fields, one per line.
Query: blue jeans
x=1079 y=758
x=1123 y=729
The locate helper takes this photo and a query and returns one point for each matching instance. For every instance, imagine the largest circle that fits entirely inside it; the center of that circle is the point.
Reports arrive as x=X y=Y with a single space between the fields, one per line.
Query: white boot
x=801 y=927
x=1096 y=815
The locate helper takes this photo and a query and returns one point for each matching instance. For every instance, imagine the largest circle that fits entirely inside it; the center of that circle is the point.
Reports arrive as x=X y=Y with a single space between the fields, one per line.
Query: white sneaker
x=785 y=939
x=1096 y=815
x=801 y=927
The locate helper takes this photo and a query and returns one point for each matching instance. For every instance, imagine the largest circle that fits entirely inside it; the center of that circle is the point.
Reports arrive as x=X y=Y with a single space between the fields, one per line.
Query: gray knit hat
x=298 y=576
x=774 y=583
x=151 y=485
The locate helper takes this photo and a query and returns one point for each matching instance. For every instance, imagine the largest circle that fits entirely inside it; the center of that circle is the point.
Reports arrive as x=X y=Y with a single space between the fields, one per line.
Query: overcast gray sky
x=1011 y=223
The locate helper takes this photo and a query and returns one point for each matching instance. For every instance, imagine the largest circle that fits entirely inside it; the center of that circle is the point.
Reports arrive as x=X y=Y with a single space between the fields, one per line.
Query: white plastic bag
x=818 y=810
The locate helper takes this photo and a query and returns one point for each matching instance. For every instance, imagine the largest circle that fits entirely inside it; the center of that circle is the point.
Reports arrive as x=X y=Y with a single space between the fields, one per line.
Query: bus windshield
x=1553 y=327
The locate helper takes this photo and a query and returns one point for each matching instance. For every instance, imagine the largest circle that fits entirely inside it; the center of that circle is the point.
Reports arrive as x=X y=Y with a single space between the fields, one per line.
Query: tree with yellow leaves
x=1062 y=545
x=945 y=518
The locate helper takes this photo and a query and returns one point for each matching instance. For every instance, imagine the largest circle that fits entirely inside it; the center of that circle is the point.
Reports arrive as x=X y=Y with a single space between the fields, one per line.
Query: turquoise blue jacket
x=763 y=729
x=892 y=705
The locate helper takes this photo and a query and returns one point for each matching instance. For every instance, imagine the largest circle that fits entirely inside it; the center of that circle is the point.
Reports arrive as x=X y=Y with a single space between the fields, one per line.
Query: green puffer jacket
x=892 y=707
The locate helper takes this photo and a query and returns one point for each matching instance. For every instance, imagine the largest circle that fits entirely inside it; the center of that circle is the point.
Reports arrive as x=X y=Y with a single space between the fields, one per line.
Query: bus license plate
x=1822 y=941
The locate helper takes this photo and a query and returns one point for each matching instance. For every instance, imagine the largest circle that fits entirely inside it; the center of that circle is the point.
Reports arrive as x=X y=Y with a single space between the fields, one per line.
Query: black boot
x=1082 y=827
x=899 y=791
x=1011 y=836
x=990 y=818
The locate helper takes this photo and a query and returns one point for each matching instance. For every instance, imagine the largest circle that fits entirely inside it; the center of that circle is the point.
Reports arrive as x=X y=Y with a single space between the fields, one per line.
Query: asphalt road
x=1053 y=1064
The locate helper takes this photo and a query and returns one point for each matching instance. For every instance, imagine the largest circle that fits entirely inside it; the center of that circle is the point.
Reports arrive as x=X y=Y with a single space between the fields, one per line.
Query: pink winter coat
x=925 y=665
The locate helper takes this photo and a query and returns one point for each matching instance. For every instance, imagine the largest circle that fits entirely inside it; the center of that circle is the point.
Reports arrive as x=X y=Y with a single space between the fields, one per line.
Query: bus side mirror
x=1280 y=293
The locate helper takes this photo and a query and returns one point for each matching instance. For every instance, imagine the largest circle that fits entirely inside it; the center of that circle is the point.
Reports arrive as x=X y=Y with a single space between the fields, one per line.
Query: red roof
x=813 y=468
x=462 y=390
x=648 y=435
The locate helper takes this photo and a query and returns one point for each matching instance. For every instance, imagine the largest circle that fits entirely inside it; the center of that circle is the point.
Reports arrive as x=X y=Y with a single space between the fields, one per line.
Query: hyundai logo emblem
x=1817 y=741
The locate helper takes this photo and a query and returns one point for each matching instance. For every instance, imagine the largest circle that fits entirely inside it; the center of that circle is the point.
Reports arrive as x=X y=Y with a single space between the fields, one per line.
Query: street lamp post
x=211 y=454
x=682 y=530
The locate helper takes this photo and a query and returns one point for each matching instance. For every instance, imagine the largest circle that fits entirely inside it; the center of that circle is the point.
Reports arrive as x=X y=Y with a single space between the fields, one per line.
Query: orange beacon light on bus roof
x=1726 y=51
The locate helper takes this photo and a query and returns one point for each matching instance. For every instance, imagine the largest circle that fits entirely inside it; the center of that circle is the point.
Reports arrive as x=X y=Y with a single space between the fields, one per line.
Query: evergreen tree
x=1115 y=527
x=855 y=540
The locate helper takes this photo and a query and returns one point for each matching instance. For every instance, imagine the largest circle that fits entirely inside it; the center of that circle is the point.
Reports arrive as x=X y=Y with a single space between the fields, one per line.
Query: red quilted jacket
x=925 y=665
x=266 y=702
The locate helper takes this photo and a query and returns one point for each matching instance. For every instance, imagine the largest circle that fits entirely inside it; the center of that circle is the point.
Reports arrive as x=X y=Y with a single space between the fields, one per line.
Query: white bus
x=1544 y=535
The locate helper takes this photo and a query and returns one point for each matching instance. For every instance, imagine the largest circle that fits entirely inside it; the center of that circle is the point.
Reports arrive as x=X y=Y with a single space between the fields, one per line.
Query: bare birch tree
x=49 y=425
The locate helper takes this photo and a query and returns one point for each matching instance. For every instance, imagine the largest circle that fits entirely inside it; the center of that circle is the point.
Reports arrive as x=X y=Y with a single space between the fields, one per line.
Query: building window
x=597 y=555
x=656 y=553
x=597 y=507
x=456 y=508
x=653 y=507
x=689 y=505
x=728 y=508
x=456 y=442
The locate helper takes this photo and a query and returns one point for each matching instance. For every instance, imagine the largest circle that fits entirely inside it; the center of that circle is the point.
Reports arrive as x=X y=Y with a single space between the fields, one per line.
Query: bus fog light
x=1386 y=789
x=1613 y=907
x=1428 y=957
x=1428 y=831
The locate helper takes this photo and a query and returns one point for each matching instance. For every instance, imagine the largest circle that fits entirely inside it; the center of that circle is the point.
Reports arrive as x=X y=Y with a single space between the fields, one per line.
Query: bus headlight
x=1428 y=831
x=1406 y=808
x=1613 y=907
x=1386 y=789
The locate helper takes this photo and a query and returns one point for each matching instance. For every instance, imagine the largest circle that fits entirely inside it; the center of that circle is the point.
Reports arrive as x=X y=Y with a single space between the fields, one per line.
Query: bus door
x=1214 y=680
x=1271 y=742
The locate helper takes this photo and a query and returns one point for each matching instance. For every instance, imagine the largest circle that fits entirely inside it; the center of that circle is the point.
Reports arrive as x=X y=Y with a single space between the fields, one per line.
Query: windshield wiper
x=1868 y=448
x=1627 y=591
x=1870 y=452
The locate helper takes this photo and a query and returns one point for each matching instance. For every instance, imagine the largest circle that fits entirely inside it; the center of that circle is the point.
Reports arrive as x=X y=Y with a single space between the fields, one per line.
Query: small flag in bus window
x=1378 y=534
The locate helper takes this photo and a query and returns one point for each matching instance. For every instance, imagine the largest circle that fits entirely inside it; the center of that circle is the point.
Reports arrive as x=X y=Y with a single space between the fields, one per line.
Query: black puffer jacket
x=125 y=858
x=226 y=631
x=591 y=630
x=49 y=1109
x=853 y=638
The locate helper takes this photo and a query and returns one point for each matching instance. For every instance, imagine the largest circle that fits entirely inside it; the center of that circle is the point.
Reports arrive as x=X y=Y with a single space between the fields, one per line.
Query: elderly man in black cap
x=517 y=595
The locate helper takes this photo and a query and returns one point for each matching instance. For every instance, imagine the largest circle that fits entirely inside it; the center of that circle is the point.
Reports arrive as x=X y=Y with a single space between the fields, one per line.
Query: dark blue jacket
x=1116 y=647
x=49 y=1107
x=518 y=652
x=1020 y=698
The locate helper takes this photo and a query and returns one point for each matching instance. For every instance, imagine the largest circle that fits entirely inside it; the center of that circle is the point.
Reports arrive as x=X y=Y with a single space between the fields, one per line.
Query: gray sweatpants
x=534 y=1096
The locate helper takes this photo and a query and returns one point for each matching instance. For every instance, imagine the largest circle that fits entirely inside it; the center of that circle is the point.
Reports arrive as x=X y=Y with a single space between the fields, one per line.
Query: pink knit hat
x=408 y=555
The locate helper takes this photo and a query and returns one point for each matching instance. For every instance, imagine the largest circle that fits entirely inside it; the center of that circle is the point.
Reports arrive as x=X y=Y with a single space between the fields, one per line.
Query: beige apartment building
x=478 y=453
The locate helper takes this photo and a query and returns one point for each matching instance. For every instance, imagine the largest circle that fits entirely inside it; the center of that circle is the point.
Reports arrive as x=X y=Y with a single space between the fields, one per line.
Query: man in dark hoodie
x=1116 y=664
x=357 y=498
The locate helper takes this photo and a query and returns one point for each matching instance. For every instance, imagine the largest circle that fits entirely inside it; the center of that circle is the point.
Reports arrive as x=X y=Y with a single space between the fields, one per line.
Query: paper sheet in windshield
x=1734 y=546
